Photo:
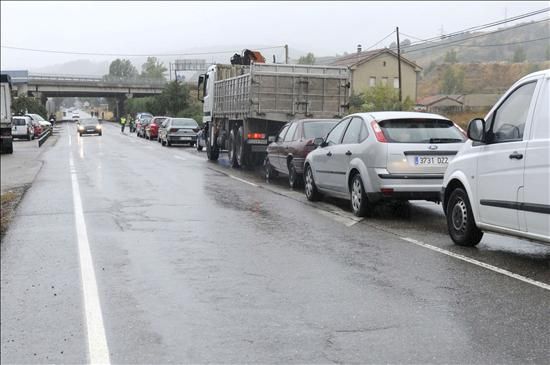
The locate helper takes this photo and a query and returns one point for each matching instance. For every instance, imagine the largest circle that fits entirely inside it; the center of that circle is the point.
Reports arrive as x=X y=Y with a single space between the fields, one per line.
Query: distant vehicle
x=371 y=157
x=178 y=130
x=152 y=128
x=76 y=116
x=22 y=127
x=499 y=181
x=141 y=115
x=246 y=105
x=141 y=122
x=90 y=126
x=293 y=143
x=6 y=137
x=37 y=119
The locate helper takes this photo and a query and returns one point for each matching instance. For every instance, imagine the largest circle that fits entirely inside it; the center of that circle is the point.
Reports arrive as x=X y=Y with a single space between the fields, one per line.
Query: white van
x=22 y=127
x=500 y=180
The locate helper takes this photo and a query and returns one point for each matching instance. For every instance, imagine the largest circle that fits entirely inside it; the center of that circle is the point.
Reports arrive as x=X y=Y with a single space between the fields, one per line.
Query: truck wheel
x=460 y=220
x=212 y=152
x=231 y=153
x=240 y=153
x=312 y=193
x=10 y=148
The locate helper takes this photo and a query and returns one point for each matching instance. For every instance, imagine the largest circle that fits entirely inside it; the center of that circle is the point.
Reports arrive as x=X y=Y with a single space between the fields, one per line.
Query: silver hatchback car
x=369 y=157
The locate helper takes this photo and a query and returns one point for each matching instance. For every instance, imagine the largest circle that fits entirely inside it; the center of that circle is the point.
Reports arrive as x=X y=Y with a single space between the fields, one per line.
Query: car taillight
x=174 y=129
x=386 y=191
x=256 y=135
x=380 y=137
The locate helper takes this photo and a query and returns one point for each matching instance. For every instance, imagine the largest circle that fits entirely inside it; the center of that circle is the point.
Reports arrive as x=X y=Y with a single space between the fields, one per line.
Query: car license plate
x=431 y=160
x=185 y=138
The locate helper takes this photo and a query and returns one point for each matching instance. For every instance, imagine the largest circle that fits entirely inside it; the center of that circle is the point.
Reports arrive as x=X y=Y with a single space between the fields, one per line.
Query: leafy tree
x=174 y=99
x=519 y=55
x=308 y=59
x=24 y=104
x=122 y=68
x=450 y=56
x=153 y=69
x=453 y=81
x=381 y=98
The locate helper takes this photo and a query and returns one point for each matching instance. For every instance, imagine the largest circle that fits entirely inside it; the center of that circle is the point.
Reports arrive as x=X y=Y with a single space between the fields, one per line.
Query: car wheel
x=199 y=147
x=270 y=172
x=168 y=143
x=312 y=193
x=29 y=137
x=100 y=133
x=358 y=197
x=460 y=220
x=294 y=179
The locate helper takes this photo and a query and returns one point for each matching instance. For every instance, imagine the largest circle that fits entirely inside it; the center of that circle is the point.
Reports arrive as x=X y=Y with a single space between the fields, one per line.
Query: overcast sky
x=325 y=28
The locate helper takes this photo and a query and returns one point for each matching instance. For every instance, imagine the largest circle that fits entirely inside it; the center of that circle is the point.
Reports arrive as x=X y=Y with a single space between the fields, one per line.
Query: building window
x=385 y=81
x=372 y=81
x=396 y=82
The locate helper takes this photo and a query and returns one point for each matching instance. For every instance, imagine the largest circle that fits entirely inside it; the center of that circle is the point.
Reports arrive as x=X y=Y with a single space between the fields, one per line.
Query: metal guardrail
x=110 y=80
x=44 y=137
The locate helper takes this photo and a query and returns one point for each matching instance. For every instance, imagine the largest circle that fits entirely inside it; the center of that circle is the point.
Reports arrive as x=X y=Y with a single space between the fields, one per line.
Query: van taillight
x=380 y=137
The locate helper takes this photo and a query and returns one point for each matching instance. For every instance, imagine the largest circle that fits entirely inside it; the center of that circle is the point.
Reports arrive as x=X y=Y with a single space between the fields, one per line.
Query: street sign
x=189 y=65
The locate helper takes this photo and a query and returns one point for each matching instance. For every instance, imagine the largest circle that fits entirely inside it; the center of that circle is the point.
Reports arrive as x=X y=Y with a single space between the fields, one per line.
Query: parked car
x=371 y=157
x=22 y=127
x=38 y=119
x=293 y=143
x=90 y=126
x=152 y=128
x=499 y=181
x=38 y=129
x=141 y=123
x=178 y=130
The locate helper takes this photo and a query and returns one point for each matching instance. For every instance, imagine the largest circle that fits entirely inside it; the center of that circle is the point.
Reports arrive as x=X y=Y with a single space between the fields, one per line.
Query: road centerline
x=98 y=350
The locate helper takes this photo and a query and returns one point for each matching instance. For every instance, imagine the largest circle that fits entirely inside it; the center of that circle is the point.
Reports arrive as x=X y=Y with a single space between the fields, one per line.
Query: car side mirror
x=318 y=141
x=476 y=130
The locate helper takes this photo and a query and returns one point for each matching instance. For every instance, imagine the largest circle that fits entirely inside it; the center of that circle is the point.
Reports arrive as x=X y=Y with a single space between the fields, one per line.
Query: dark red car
x=141 y=122
x=152 y=128
x=295 y=140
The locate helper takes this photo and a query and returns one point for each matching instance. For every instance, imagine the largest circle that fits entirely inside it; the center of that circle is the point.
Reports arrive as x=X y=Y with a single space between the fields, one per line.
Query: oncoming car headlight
x=98 y=126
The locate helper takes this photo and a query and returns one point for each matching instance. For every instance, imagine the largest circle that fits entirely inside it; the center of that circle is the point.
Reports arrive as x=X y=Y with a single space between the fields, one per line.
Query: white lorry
x=246 y=105
x=6 y=139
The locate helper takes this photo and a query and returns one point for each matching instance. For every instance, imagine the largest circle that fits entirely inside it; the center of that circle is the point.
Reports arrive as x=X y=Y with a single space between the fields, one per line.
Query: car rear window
x=18 y=121
x=181 y=122
x=421 y=131
x=318 y=129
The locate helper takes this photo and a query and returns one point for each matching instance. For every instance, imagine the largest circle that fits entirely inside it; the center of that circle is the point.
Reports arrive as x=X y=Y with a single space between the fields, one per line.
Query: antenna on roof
x=359 y=48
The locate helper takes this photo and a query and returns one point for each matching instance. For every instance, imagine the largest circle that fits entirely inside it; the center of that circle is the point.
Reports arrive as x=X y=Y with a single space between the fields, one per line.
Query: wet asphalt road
x=196 y=262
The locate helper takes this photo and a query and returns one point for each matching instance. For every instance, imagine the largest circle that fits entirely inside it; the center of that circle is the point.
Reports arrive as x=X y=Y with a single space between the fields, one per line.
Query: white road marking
x=98 y=351
x=243 y=180
x=478 y=263
x=180 y=158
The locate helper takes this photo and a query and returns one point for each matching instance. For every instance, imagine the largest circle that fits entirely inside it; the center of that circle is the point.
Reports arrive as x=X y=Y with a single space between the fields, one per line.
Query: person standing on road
x=122 y=124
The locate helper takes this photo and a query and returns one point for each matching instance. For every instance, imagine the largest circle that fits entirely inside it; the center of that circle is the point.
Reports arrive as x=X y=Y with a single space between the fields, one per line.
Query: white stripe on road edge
x=243 y=180
x=478 y=263
x=180 y=158
x=98 y=350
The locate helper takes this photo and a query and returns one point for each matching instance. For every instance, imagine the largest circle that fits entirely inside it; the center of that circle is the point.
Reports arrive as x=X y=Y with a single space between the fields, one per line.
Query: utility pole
x=399 y=66
x=286 y=54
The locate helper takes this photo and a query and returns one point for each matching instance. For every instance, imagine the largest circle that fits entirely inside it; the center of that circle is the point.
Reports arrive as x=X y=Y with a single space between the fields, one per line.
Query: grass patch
x=8 y=203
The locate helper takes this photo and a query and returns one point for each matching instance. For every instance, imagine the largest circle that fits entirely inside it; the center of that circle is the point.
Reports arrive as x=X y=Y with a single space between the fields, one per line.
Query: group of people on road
x=127 y=120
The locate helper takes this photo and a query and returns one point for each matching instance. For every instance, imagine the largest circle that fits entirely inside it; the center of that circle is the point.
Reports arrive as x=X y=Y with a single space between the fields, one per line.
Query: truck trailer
x=6 y=138
x=246 y=105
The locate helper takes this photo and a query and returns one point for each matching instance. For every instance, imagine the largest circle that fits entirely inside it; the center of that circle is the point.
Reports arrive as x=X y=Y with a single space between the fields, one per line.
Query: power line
x=128 y=55
x=483 y=26
x=447 y=43
x=380 y=41
x=503 y=44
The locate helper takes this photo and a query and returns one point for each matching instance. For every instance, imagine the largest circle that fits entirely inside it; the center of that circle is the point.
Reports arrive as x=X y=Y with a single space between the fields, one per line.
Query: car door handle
x=348 y=153
x=517 y=156
x=329 y=154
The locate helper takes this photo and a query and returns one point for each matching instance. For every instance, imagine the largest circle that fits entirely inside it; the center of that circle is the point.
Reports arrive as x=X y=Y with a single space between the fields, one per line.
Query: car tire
x=80 y=134
x=270 y=172
x=312 y=193
x=100 y=133
x=168 y=143
x=294 y=179
x=460 y=220
x=358 y=197
x=199 y=147
x=29 y=137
